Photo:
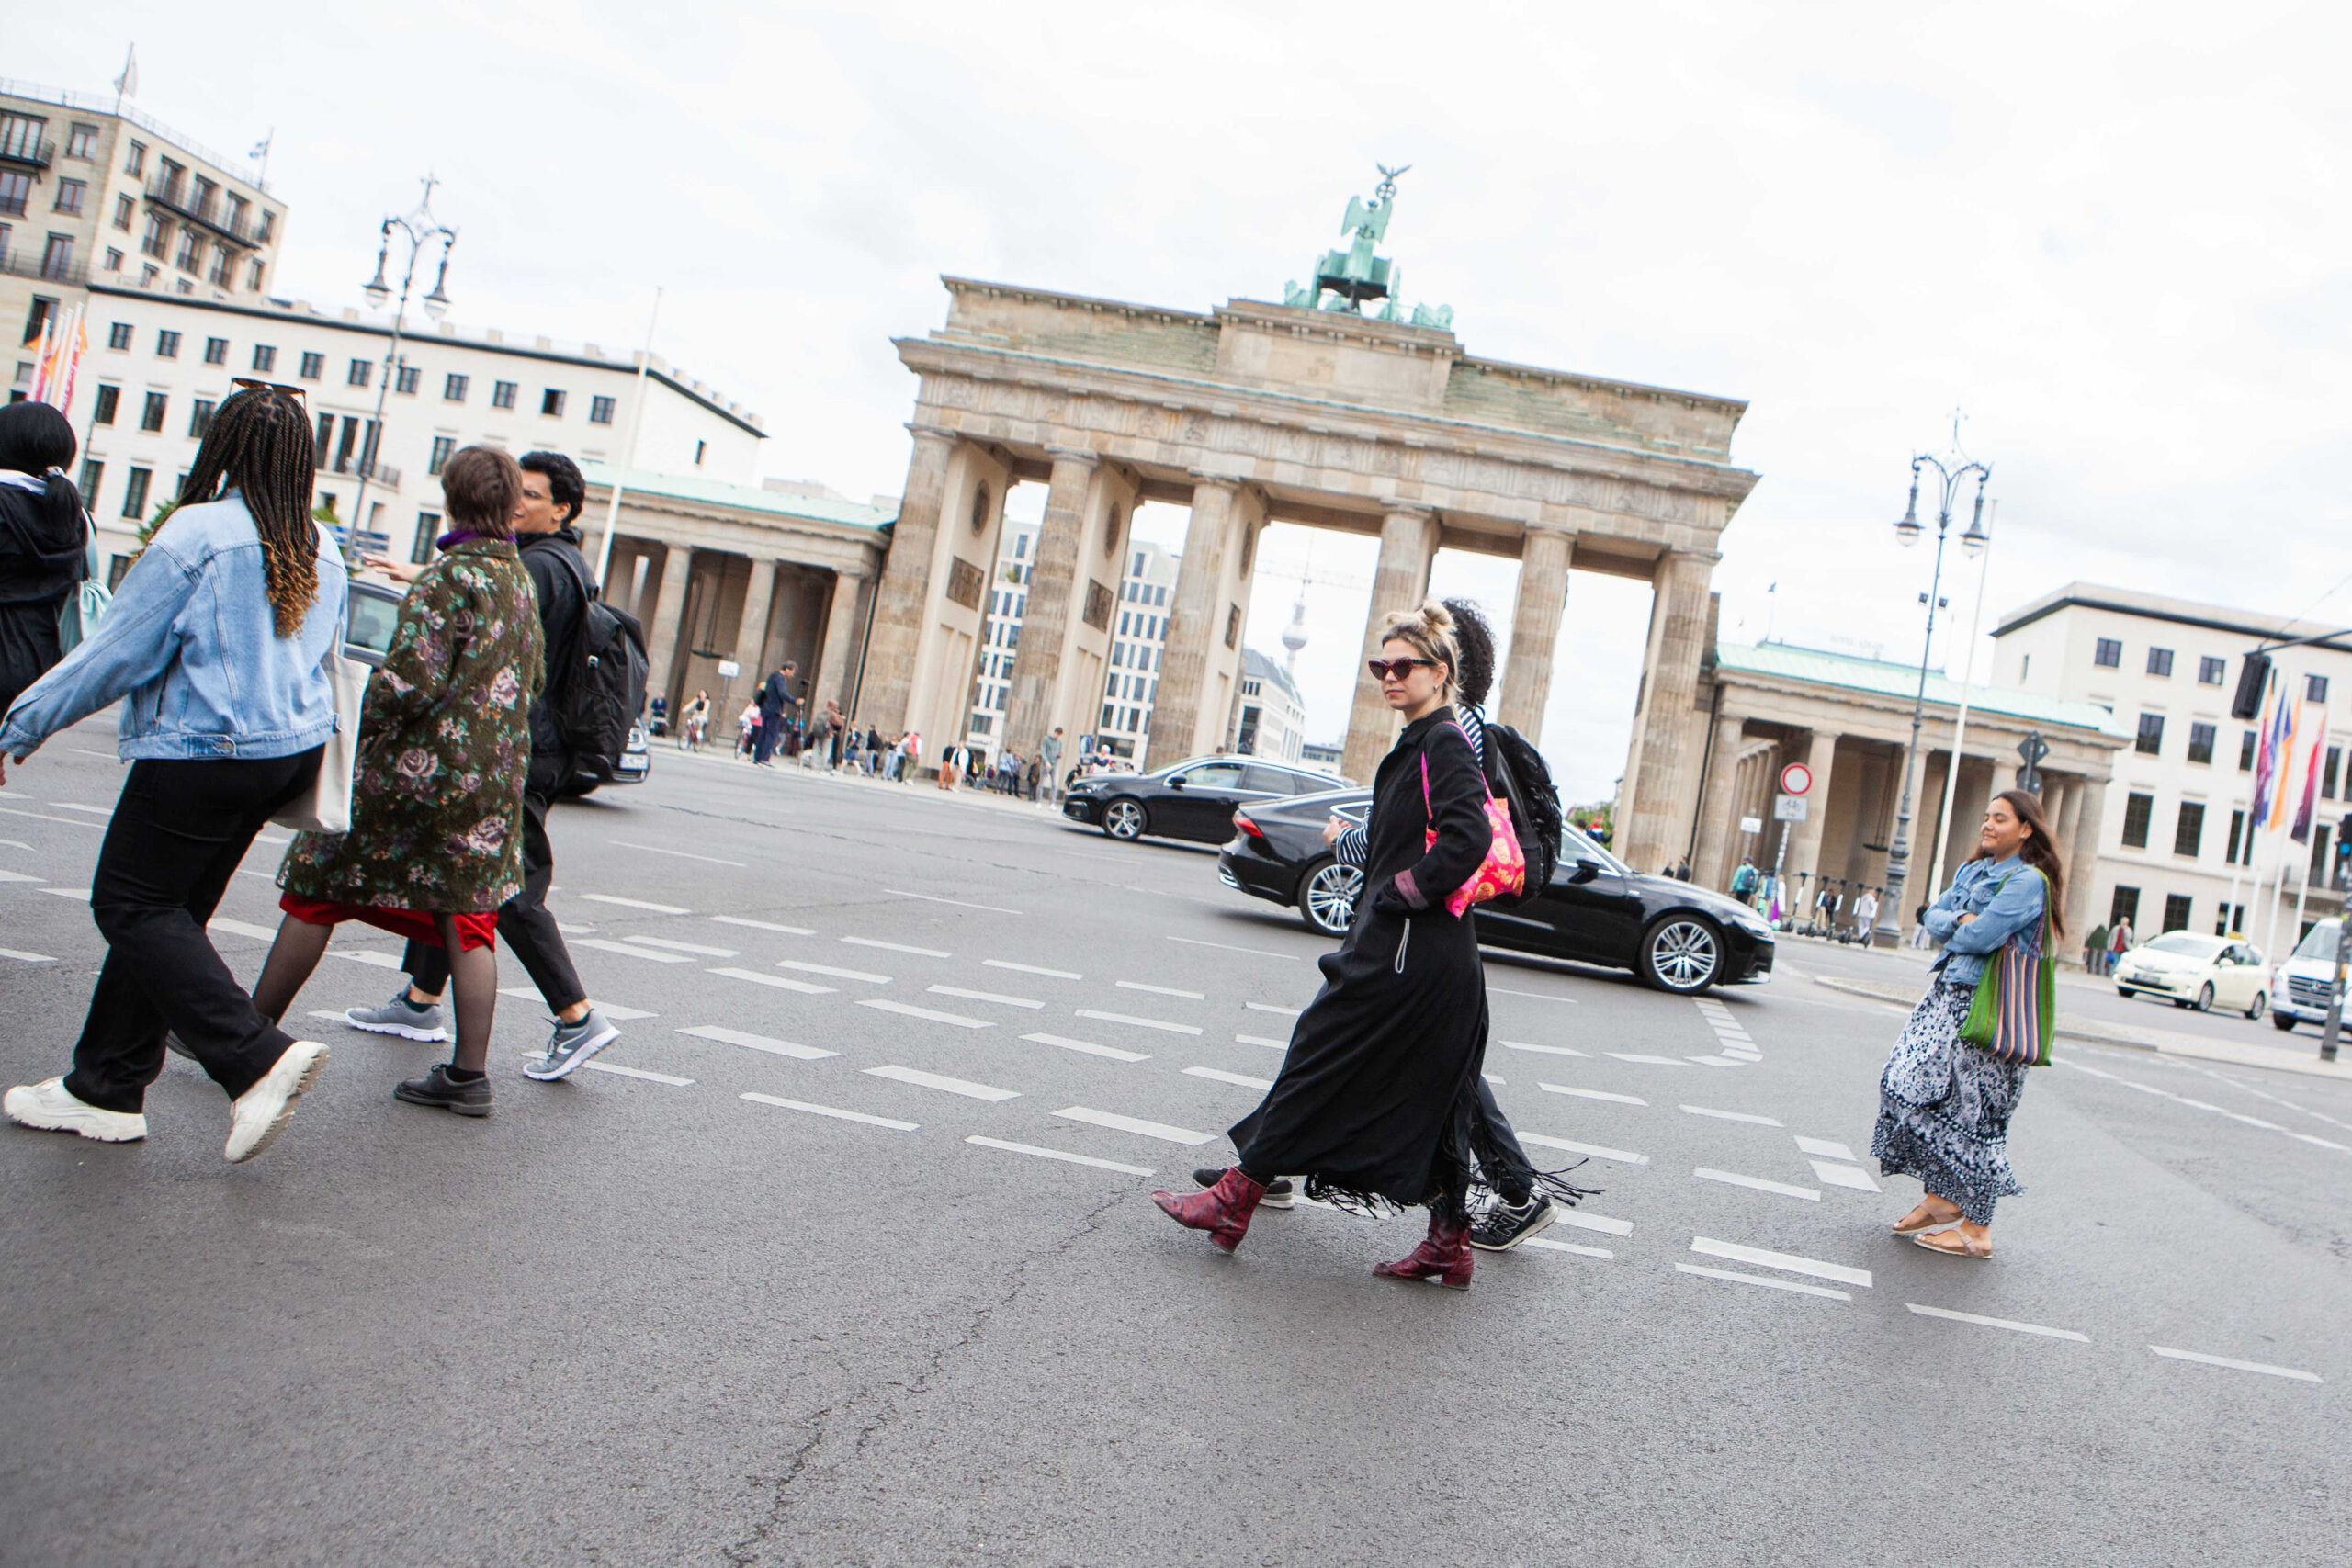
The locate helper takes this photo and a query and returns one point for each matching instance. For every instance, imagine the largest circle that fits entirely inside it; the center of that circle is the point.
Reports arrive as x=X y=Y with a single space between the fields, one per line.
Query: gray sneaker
x=402 y=1017
x=571 y=1044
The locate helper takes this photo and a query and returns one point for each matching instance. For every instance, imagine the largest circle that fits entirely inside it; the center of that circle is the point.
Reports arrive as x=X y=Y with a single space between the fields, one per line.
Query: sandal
x=1920 y=1219
x=1961 y=1245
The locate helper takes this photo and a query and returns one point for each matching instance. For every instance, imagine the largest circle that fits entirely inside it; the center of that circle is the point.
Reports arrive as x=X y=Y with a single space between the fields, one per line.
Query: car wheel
x=2282 y=1023
x=2257 y=1008
x=1125 y=819
x=1327 y=896
x=1681 y=953
x=2205 y=996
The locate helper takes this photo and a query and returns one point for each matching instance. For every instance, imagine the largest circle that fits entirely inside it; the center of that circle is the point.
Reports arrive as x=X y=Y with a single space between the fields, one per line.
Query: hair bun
x=1436 y=616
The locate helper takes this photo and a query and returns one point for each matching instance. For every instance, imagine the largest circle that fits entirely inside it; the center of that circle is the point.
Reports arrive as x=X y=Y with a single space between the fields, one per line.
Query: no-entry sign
x=1795 y=779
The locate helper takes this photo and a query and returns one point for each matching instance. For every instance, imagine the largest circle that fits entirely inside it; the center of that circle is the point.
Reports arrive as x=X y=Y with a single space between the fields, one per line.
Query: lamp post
x=1886 y=934
x=420 y=228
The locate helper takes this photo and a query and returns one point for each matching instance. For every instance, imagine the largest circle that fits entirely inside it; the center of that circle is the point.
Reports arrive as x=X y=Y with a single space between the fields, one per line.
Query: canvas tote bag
x=326 y=806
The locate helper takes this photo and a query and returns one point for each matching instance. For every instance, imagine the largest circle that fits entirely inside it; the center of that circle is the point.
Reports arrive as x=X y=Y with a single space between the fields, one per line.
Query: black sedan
x=1677 y=937
x=1193 y=799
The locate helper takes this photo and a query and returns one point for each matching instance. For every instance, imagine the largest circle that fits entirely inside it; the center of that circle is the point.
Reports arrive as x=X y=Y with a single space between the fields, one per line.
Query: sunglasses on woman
x=1381 y=669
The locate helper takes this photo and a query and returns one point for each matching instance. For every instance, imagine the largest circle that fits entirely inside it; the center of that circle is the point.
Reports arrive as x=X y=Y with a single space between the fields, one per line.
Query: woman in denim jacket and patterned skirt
x=1944 y=1105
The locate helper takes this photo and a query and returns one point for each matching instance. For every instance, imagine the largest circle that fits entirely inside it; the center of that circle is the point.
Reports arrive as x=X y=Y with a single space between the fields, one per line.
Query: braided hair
x=259 y=444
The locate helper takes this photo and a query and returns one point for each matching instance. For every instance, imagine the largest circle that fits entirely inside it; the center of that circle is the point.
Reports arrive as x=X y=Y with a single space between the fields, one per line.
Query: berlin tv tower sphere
x=1295 y=635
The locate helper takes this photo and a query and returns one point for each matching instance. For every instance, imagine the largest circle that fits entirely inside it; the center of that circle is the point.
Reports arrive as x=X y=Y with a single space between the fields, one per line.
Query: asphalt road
x=644 y=1317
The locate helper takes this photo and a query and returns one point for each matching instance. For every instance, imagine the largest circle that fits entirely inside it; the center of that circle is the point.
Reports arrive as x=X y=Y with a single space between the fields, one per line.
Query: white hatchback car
x=2192 y=971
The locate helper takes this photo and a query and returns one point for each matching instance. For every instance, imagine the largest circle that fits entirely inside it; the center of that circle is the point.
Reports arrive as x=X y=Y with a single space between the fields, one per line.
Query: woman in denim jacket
x=217 y=643
x=1944 y=1106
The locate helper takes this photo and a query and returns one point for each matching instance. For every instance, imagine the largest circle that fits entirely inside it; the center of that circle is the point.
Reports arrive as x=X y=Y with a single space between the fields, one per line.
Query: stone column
x=661 y=637
x=1191 y=619
x=1665 y=772
x=1408 y=541
x=832 y=676
x=1536 y=629
x=1719 y=808
x=1804 y=839
x=2081 y=859
x=906 y=585
x=752 y=631
x=1053 y=582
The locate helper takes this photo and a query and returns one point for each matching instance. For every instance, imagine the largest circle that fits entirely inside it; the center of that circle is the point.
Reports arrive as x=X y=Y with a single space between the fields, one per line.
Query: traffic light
x=2253 y=675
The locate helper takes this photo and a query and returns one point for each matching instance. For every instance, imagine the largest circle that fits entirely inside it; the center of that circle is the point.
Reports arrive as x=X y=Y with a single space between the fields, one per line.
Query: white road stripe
x=781 y=982
x=929 y=1014
x=20 y=876
x=1268 y=1041
x=377 y=960
x=2262 y=1367
x=833 y=1111
x=602 y=945
x=2008 y=1324
x=1135 y=1124
x=77 y=806
x=612 y=1011
x=1160 y=990
x=1546 y=1050
x=102 y=756
x=827 y=969
x=1787 y=1262
x=1646 y=1060
x=635 y=904
x=984 y=997
x=1549 y=1244
x=696 y=948
x=1733 y=1178
x=1829 y=1173
x=2322 y=1143
x=1060 y=1155
x=1760 y=1279
x=26 y=958
x=1592 y=1094
x=725 y=1036
x=934 y=898
x=240 y=928
x=1719 y=1061
x=1088 y=1047
x=1137 y=1023
x=1827 y=1148
x=943 y=1083
x=1031 y=969
x=762 y=925
x=1219 y=1075
x=1621 y=1156
x=681 y=855
x=636 y=1073
x=1584 y=1222
x=896 y=947
x=287 y=838
x=1536 y=996
x=1732 y=1115
x=81 y=895
x=1228 y=947
x=1269 y=1007
x=45 y=817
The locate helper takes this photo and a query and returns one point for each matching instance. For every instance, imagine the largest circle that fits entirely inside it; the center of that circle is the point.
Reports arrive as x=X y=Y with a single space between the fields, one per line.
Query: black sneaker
x=1278 y=1193
x=437 y=1088
x=1504 y=1225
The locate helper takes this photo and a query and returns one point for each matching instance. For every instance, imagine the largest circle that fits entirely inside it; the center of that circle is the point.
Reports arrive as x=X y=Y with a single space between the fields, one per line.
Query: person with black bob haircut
x=42 y=537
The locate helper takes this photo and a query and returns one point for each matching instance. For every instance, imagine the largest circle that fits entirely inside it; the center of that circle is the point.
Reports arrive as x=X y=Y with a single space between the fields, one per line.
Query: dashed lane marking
x=81 y=895
x=931 y=1015
x=1618 y=1156
x=1269 y=1007
x=620 y=1071
x=1158 y=1023
x=1546 y=1050
x=943 y=1083
x=45 y=817
x=1031 y=969
x=1827 y=1148
x=1787 y=1262
x=1829 y=1173
x=668 y=945
x=935 y=898
x=1062 y=1155
x=832 y=1111
x=635 y=904
x=681 y=855
x=762 y=925
x=1135 y=1124
x=1228 y=947
x=1087 y=1047
x=2236 y=1366
x=240 y=928
x=1747 y=1116
x=1646 y=1060
x=26 y=958
x=1592 y=1094
x=1757 y=1183
x=832 y=971
x=1549 y=1244
x=1760 y=1279
x=984 y=997
x=102 y=756
x=2010 y=1323
x=1535 y=996
x=1219 y=1074
x=896 y=947
x=1716 y=1061
x=1268 y=1041
x=725 y=1036
x=603 y=945
x=17 y=844
x=780 y=982
x=1584 y=1222
x=375 y=960
x=612 y=1011
x=1160 y=990
x=77 y=806
x=20 y=876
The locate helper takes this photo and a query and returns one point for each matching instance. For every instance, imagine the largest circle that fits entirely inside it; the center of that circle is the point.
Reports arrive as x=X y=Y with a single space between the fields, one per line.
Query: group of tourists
x=223 y=642
x=2104 y=944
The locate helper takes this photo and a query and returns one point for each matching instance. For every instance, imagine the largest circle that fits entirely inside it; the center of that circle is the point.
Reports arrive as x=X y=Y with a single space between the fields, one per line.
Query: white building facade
x=2175 y=849
x=1272 y=720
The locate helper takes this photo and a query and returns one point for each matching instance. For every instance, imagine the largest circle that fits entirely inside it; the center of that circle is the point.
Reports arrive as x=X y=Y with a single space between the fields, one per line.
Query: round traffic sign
x=1795 y=779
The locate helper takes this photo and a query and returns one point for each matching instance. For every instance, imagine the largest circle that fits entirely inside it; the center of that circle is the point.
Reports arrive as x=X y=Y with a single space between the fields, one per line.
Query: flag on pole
x=57 y=358
x=260 y=148
x=2310 y=803
x=2270 y=764
x=127 y=85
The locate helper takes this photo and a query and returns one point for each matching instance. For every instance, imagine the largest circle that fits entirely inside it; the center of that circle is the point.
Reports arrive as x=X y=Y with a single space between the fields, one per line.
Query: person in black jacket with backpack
x=553 y=495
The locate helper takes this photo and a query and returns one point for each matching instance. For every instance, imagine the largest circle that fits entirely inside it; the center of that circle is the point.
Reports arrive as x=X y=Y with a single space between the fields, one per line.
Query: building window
x=199 y=418
x=191 y=251
x=109 y=398
x=268 y=226
x=2200 y=744
x=252 y=275
x=265 y=358
x=453 y=388
x=136 y=163
x=2327 y=773
x=2189 y=831
x=70 y=195
x=134 y=492
x=216 y=351
x=2245 y=751
x=2025 y=668
x=502 y=394
x=444 y=448
x=156 y=241
x=14 y=190
x=2152 y=734
x=123 y=209
x=82 y=141
x=20 y=138
x=2209 y=672
x=428 y=529
x=2232 y=918
x=2160 y=661
x=2108 y=655
x=551 y=402
x=700 y=448
x=600 y=410
x=2176 y=912
x=92 y=472
x=314 y=366
x=224 y=265
x=2315 y=688
x=322 y=447
x=152 y=417
x=2137 y=809
x=167 y=345
x=361 y=373
x=114 y=259
x=408 y=379
x=2123 y=908
x=2239 y=844
x=118 y=335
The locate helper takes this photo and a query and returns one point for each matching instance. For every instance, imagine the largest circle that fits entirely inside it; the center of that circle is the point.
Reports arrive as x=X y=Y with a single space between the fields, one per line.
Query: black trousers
x=179 y=833
x=525 y=924
x=1501 y=1161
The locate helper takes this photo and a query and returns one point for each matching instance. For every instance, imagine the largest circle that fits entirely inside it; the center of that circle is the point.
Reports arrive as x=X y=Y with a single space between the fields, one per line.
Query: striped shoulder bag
x=2014 y=1011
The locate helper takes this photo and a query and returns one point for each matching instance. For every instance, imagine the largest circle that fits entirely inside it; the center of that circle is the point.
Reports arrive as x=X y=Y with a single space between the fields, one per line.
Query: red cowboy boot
x=1444 y=1252
x=1223 y=1210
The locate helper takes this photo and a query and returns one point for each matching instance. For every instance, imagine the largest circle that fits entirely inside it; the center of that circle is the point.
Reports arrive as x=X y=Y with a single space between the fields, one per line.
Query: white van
x=2300 y=987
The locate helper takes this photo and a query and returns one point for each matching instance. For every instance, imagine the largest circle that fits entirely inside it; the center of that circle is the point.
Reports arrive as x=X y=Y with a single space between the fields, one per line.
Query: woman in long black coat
x=1373 y=1101
x=41 y=541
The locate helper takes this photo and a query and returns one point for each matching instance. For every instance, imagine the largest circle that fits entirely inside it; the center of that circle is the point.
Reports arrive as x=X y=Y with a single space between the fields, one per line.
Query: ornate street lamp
x=420 y=229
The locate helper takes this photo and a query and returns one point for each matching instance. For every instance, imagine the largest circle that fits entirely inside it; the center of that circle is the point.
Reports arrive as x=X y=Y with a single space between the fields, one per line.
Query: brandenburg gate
x=1311 y=413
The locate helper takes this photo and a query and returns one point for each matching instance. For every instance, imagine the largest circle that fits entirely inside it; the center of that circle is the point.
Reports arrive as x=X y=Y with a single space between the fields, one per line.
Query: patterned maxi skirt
x=1944 y=1109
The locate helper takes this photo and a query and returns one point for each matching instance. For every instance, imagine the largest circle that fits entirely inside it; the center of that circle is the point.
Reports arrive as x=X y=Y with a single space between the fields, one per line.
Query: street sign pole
x=2336 y=993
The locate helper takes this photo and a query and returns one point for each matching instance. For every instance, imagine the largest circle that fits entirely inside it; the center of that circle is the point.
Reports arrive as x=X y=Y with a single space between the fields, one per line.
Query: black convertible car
x=1597 y=910
x=1193 y=799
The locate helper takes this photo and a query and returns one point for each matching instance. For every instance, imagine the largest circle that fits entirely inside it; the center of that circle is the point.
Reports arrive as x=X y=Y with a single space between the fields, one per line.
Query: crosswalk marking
x=77 y=806
x=2009 y=1323
x=1219 y=1075
x=26 y=958
x=19 y=876
x=620 y=1071
x=1584 y=1222
x=986 y=997
x=1787 y=1262
x=1827 y=1148
x=677 y=854
x=1714 y=1062
x=79 y=895
x=649 y=955
x=780 y=982
x=1829 y=1173
x=1135 y=1124
x=1532 y=995
x=1160 y=990
x=1733 y=1178
x=896 y=947
x=1138 y=1023
x=1732 y=1115
x=635 y=904
x=1033 y=969
x=935 y=898
x=693 y=947
x=1228 y=947
x=832 y=1111
x=762 y=925
x=376 y=960
x=240 y=928
x=1088 y=1047
x=2262 y=1367
x=1268 y=1041
x=1646 y=1060
x=725 y=1036
x=1592 y=1094
x=1269 y=1007
x=1551 y=1244
x=1546 y=1050
x=1760 y=1279
x=943 y=1083
x=929 y=1014
x=612 y=1011
x=834 y=971
x=1620 y=1156
x=1062 y=1155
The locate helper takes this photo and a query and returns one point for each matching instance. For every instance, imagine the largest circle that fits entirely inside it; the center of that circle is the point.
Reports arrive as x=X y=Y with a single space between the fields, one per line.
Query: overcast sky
x=2114 y=234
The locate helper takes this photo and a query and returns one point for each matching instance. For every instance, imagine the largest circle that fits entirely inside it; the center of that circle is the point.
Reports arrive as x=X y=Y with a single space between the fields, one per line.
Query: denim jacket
x=190 y=640
x=2007 y=896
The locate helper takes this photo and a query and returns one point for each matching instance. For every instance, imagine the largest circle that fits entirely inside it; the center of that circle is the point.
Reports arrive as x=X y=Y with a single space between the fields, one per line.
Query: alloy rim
x=1683 y=953
x=1125 y=819
x=1331 y=895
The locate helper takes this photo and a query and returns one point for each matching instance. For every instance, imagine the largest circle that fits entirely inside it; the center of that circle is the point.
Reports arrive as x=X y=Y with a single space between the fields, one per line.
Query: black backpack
x=602 y=689
x=1525 y=783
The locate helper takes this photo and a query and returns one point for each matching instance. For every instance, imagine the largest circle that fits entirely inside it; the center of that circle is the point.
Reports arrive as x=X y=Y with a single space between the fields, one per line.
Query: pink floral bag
x=1505 y=868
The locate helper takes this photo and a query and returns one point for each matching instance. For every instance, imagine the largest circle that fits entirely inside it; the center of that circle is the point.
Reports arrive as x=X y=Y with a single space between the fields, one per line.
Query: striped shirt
x=1348 y=849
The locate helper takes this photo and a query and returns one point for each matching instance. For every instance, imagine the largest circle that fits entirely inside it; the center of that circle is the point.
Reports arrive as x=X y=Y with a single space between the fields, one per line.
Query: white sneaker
x=51 y=1107
x=259 y=1115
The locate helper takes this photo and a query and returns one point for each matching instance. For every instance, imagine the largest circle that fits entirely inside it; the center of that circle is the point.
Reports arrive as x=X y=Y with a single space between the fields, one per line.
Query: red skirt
x=473 y=931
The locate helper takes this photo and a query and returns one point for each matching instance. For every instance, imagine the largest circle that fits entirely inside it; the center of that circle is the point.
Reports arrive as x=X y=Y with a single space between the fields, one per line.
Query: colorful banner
x=58 y=359
x=2310 y=803
x=2271 y=761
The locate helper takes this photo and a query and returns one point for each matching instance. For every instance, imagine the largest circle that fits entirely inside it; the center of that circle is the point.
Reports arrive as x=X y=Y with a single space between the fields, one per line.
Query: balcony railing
x=28 y=153
x=22 y=262
x=172 y=195
x=108 y=103
x=355 y=467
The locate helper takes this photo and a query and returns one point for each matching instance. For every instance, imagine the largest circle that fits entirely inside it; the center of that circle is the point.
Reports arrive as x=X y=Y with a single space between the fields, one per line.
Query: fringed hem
x=1352 y=1201
x=1552 y=1184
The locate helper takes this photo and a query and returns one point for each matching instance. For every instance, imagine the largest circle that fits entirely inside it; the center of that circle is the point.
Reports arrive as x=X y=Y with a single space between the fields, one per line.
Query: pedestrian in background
x=2095 y=950
x=1866 y=913
x=1049 y=752
x=44 y=541
x=220 y=636
x=1944 y=1104
x=2119 y=941
x=775 y=700
x=696 y=718
x=1743 y=881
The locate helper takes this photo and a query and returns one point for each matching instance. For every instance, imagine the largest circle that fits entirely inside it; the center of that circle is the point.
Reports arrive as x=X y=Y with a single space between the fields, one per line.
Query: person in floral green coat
x=436 y=797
